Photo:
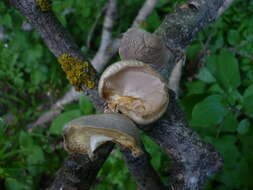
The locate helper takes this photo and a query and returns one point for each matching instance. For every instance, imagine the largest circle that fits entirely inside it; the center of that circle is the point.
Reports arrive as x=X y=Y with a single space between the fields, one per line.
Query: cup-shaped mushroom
x=84 y=135
x=134 y=89
x=141 y=45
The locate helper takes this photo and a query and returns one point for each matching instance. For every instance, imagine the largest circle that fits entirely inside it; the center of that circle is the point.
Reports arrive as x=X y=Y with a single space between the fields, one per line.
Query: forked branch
x=194 y=159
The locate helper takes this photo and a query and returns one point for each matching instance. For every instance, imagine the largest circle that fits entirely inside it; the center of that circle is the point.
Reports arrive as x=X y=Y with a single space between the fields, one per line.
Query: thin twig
x=144 y=12
x=175 y=76
x=110 y=47
x=195 y=160
x=91 y=32
x=56 y=109
x=225 y=6
x=241 y=53
x=106 y=40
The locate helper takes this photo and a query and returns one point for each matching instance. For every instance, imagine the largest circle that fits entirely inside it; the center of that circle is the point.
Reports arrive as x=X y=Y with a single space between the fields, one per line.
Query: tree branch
x=225 y=6
x=78 y=171
x=109 y=47
x=194 y=159
x=56 y=109
x=180 y=28
x=143 y=172
x=175 y=76
x=144 y=12
x=91 y=32
x=104 y=52
x=56 y=38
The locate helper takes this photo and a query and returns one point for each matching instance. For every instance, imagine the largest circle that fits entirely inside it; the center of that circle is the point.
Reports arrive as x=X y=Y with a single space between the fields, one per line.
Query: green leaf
x=11 y=154
x=38 y=77
x=209 y=112
x=13 y=184
x=227 y=70
x=7 y=20
x=233 y=37
x=230 y=178
x=35 y=155
x=230 y=123
x=218 y=43
x=196 y=87
x=248 y=105
x=206 y=76
x=153 y=149
x=216 y=88
x=85 y=105
x=233 y=97
x=57 y=125
x=25 y=140
x=189 y=102
x=245 y=169
x=226 y=145
x=211 y=63
x=248 y=91
x=243 y=127
x=153 y=20
x=192 y=51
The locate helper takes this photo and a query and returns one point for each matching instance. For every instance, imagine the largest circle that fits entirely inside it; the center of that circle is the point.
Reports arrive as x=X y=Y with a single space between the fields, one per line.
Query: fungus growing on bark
x=84 y=135
x=134 y=89
x=140 y=45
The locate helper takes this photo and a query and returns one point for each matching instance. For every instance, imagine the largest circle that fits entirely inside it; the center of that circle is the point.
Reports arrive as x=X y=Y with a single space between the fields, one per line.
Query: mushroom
x=140 y=45
x=134 y=89
x=84 y=135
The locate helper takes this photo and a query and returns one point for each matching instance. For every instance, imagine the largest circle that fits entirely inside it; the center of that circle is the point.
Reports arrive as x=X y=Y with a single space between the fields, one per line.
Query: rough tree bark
x=194 y=159
x=59 y=41
x=144 y=174
x=78 y=171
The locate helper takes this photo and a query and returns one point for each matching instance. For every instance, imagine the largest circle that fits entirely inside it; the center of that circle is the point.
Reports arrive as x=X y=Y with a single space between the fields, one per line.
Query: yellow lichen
x=44 y=5
x=78 y=72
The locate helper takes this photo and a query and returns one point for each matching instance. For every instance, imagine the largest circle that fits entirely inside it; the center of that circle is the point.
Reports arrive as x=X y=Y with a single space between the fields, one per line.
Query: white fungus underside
x=144 y=86
x=97 y=140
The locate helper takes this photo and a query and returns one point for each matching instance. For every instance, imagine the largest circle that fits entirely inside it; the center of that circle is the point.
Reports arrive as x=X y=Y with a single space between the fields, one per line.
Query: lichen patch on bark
x=78 y=72
x=44 y=5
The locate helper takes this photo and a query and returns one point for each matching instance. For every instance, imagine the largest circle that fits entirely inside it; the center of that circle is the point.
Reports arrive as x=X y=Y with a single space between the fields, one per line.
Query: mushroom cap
x=84 y=135
x=138 y=44
x=135 y=89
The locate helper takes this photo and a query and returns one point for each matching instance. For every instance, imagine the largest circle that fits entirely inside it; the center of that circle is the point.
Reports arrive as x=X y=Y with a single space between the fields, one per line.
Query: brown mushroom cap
x=135 y=89
x=140 y=45
x=84 y=135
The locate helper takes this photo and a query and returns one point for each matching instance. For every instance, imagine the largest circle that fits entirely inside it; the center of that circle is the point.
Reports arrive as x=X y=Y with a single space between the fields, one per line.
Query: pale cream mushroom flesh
x=134 y=89
x=84 y=135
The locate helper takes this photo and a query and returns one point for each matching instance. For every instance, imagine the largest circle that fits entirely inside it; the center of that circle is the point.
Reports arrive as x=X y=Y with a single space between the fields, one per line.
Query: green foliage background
x=217 y=95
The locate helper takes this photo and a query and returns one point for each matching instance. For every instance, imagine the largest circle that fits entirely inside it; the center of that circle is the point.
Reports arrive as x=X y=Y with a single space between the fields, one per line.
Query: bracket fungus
x=84 y=135
x=134 y=89
x=141 y=45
